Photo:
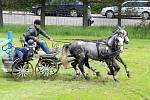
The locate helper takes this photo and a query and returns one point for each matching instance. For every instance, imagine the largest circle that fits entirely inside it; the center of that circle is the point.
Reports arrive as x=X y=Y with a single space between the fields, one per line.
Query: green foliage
x=97 y=7
x=24 y=5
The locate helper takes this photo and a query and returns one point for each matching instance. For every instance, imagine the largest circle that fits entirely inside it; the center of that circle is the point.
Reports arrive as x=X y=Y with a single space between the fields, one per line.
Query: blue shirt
x=27 y=51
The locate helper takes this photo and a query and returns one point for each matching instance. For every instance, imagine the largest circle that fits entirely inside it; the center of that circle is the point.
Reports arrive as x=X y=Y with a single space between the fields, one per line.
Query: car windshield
x=136 y=4
x=53 y=2
x=144 y=4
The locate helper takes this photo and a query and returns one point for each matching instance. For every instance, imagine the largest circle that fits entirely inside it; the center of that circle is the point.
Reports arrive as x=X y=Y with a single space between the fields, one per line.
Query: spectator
x=89 y=16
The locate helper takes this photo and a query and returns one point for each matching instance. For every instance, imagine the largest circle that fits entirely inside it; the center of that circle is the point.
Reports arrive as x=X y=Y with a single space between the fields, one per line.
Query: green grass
x=134 y=32
x=137 y=58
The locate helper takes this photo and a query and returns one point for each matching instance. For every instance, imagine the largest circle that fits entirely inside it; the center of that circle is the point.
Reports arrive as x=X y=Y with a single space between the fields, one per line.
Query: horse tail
x=64 y=56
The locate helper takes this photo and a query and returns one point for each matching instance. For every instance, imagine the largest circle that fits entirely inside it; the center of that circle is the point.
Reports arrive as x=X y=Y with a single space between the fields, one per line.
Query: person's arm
x=42 y=32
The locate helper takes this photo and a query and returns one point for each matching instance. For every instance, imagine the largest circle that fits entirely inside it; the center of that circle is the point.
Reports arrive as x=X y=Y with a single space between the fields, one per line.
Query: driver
x=33 y=33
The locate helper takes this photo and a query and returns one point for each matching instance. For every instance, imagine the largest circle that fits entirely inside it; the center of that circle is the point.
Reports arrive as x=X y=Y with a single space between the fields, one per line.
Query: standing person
x=89 y=16
x=33 y=33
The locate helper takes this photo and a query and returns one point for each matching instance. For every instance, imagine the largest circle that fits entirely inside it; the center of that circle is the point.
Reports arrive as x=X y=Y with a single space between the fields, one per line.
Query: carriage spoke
x=22 y=71
x=17 y=76
x=46 y=68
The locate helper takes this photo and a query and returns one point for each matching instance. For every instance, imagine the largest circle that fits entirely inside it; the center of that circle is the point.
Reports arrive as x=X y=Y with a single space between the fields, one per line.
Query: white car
x=129 y=8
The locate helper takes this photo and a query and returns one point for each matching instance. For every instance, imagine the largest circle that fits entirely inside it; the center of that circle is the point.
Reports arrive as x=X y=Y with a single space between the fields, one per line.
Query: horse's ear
x=119 y=27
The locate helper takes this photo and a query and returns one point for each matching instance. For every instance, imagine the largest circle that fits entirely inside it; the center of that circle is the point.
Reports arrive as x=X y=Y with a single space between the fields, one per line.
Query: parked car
x=72 y=8
x=129 y=8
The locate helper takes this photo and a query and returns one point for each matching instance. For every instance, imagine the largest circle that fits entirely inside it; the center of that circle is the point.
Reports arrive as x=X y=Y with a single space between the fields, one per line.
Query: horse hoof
x=74 y=77
x=97 y=73
x=116 y=80
x=129 y=74
x=87 y=78
x=109 y=73
x=77 y=74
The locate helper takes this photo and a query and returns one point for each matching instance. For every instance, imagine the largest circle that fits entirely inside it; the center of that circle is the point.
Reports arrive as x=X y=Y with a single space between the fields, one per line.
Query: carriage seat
x=52 y=55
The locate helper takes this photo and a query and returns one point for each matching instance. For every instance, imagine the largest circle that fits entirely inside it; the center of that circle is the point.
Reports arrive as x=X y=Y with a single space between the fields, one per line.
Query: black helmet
x=30 y=42
x=37 y=21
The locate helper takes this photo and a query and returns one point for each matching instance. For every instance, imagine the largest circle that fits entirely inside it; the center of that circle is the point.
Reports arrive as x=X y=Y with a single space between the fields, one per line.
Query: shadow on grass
x=69 y=78
x=6 y=76
x=66 y=77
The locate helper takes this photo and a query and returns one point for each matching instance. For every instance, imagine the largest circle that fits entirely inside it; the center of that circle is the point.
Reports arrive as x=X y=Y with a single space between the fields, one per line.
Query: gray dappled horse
x=106 y=51
x=124 y=34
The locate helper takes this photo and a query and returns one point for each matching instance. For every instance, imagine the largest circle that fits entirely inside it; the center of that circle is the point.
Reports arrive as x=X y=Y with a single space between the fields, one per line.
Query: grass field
x=137 y=58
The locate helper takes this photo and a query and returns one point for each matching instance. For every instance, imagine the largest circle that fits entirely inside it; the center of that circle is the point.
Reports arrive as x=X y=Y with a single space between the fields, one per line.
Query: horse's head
x=117 y=40
x=122 y=33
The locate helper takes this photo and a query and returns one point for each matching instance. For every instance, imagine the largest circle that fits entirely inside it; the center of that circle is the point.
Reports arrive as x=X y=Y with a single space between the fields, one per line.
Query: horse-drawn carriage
x=48 y=65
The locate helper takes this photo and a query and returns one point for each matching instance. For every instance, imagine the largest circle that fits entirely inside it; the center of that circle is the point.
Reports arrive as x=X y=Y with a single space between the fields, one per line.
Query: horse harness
x=101 y=55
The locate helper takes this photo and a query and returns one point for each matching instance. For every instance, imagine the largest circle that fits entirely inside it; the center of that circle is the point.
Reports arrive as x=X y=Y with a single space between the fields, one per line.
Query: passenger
x=25 y=53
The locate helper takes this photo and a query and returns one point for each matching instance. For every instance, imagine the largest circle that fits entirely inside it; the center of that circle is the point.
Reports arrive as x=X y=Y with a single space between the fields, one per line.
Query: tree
x=1 y=14
x=85 y=11
x=86 y=3
x=119 y=2
x=43 y=13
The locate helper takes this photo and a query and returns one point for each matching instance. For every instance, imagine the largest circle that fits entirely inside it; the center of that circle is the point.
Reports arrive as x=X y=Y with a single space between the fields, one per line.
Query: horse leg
x=115 y=66
x=74 y=65
x=81 y=63
x=91 y=68
x=125 y=66
x=110 y=66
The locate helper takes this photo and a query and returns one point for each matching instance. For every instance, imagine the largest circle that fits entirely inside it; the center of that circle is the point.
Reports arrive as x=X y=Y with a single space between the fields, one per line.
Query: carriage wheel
x=22 y=70
x=46 y=68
